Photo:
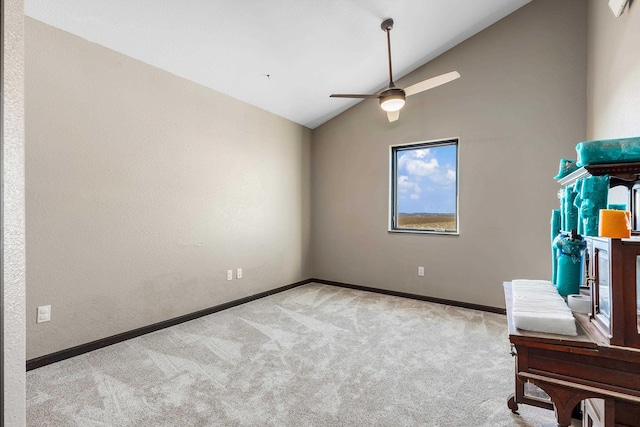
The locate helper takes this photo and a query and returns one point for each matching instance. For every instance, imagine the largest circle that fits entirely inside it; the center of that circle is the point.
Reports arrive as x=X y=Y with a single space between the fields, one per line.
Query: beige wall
x=613 y=84
x=144 y=188
x=518 y=108
x=12 y=411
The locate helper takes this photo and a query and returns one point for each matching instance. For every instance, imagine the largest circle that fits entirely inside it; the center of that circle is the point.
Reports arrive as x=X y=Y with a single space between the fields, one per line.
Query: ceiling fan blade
x=352 y=95
x=393 y=115
x=431 y=83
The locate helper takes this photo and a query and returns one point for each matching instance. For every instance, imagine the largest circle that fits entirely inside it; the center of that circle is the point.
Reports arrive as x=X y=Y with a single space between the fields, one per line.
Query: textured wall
x=518 y=108
x=13 y=222
x=613 y=82
x=144 y=188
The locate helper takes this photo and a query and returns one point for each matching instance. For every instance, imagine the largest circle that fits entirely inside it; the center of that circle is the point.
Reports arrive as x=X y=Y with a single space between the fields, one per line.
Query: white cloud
x=420 y=154
x=422 y=167
x=404 y=185
x=402 y=160
x=419 y=165
x=445 y=178
x=431 y=169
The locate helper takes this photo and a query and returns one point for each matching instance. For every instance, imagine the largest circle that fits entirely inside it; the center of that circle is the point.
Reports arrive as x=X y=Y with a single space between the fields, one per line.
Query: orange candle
x=614 y=223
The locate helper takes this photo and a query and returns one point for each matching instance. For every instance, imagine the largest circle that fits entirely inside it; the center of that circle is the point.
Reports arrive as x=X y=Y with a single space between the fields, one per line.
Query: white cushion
x=537 y=306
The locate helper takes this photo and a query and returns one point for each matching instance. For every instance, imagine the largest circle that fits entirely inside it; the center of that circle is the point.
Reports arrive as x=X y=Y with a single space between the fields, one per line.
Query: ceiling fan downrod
x=387 y=26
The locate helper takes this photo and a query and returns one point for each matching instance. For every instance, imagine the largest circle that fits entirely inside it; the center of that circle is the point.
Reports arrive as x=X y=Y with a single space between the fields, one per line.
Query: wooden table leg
x=513 y=404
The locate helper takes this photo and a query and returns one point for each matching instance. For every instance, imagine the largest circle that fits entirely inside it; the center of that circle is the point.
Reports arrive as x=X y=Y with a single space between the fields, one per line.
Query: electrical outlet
x=420 y=271
x=44 y=314
x=239 y=273
x=229 y=274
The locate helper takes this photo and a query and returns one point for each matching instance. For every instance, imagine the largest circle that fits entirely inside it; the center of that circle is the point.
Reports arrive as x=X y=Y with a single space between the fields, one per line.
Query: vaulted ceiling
x=284 y=56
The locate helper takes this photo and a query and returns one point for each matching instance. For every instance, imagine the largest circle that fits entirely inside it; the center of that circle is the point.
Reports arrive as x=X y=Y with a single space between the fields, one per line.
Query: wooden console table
x=571 y=369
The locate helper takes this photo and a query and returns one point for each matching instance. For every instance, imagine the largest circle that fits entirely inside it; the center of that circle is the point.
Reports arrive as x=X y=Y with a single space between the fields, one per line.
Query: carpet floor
x=315 y=355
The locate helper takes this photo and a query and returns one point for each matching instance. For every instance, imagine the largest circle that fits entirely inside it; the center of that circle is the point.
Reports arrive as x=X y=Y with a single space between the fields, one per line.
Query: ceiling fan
x=392 y=98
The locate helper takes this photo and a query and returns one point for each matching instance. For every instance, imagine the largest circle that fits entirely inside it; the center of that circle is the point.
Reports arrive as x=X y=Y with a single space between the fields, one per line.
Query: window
x=424 y=187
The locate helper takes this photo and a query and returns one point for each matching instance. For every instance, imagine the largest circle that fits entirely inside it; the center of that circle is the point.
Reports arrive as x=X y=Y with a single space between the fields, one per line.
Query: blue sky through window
x=426 y=180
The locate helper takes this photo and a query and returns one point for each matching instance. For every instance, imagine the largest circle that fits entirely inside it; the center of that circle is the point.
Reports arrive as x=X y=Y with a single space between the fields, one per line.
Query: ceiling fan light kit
x=392 y=99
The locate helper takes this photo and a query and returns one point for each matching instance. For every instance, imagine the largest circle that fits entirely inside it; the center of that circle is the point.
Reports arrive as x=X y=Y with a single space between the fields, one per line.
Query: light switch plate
x=44 y=314
x=229 y=274
x=239 y=273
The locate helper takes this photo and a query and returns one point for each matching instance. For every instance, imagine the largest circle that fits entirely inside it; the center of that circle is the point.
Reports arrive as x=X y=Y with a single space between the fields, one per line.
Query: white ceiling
x=310 y=48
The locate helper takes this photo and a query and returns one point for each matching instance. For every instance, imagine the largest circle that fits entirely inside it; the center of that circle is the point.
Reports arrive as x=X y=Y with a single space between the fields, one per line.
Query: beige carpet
x=315 y=355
